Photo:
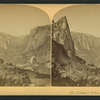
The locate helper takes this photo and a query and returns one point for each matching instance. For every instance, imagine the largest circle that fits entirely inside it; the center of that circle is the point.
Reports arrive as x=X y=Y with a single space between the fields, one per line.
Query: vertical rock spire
x=61 y=34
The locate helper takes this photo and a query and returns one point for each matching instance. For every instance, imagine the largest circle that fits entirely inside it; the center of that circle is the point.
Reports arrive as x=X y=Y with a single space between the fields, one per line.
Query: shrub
x=75 y=74
x=13 y=77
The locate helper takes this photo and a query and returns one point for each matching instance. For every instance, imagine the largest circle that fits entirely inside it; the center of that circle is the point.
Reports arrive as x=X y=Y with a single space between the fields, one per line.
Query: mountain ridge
x=87 y=47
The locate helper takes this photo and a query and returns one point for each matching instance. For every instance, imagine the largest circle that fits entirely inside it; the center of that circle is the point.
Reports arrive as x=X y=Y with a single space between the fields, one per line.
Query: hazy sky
x=82 y=18
x=19 y=19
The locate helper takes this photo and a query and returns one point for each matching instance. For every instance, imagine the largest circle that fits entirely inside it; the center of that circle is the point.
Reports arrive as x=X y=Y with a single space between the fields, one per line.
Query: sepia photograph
x=49 y=49
x=24 y=46
x=76 y=46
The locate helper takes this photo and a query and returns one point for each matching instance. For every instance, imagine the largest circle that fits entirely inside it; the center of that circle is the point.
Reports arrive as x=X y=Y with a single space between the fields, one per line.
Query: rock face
x=21 y=49
x=58 y=53
x=37 y=37
x=38 y=44
x=43 y=52
x=87 y=47
x=82 y=40
x=61 y=34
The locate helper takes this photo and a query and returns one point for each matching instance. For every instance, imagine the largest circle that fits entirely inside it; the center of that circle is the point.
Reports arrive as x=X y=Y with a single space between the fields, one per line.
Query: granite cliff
x=87 y=47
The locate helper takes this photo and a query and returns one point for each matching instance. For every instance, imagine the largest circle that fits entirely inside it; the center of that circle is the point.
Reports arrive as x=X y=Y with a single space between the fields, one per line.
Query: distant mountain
x=87 y=47
x=37 y=37
x=23 y=48
x=8 y=41
x=37 y=44
x=85 y=41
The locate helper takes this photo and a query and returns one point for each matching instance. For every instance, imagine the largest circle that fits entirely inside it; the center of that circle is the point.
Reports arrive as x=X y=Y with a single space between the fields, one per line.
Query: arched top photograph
x=24 y=46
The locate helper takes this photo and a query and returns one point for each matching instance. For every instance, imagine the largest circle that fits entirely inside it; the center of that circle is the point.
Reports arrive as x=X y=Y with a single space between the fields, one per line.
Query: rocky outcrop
x=37 y=37
x=43 y=52
x=61 y=34
x=58 y=53
x=37 y=44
